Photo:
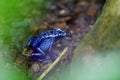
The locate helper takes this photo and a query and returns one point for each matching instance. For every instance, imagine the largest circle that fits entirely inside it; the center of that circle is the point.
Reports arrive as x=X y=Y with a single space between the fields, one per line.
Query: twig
x=52 y=65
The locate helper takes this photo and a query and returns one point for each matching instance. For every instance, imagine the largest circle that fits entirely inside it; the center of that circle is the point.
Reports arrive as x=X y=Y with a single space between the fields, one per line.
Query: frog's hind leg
x=40 y=57
x=30 y=41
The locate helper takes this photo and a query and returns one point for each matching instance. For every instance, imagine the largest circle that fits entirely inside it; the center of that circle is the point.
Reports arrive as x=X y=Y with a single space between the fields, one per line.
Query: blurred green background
x=16 y=19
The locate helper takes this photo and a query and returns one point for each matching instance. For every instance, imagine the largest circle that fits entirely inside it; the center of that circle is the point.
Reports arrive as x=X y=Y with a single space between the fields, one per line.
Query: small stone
x=35 y=67
x=58 y=45
x=62 y=12
x=92 y=12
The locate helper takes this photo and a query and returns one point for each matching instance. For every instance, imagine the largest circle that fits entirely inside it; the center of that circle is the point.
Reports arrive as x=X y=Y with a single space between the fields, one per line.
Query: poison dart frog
x=43 y=42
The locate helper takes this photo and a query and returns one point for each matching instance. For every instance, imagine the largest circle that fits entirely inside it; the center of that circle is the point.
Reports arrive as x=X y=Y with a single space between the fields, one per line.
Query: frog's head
x=61 y=32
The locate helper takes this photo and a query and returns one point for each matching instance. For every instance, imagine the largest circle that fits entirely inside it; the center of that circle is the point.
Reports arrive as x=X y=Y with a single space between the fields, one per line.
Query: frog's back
x=45 y=44
x=53 y=33
x=39 y=39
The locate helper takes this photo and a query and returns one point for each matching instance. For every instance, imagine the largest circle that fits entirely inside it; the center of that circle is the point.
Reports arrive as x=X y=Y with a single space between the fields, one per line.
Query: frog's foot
x=53 y=56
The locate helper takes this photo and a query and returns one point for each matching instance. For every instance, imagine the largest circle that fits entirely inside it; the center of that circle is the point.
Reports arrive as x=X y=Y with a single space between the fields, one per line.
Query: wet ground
x=76 y=18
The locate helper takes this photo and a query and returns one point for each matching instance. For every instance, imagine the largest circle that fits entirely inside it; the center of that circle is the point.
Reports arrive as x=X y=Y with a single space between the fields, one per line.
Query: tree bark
x=105 y=34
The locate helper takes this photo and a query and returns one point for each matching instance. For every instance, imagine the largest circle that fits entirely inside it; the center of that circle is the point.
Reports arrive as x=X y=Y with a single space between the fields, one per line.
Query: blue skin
x=43 y=42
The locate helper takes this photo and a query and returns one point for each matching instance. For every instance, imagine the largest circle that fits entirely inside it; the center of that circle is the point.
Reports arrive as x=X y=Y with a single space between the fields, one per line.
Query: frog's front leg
x=40 y=56
x=51 y=54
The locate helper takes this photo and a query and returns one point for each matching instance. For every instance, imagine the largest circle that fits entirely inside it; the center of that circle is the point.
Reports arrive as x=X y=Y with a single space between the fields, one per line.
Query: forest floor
x=76 y=18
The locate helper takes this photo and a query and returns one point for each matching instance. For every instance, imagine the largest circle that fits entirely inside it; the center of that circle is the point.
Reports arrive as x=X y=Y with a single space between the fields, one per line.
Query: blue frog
x=43 y=42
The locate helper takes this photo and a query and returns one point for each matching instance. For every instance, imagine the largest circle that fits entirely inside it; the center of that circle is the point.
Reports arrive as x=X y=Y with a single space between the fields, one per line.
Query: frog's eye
x=60 y=32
